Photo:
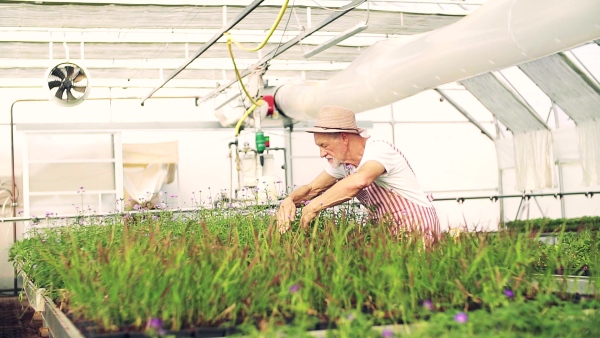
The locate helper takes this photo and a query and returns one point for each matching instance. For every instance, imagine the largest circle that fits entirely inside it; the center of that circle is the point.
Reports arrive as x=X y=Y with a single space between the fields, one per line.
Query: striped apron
x=402 y=214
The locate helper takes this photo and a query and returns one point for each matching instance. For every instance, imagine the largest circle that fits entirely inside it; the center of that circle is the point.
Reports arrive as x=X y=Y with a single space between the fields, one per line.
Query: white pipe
x=500 y=34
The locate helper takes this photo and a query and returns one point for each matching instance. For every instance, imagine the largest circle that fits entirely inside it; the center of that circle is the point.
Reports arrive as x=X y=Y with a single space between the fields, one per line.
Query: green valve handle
x=260 y=142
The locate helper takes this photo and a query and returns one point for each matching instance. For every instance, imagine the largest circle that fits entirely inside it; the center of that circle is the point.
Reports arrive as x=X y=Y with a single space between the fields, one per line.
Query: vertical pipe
x=500 y=179
x=561 y=187
x=13 y=188
x=288 y=164
x=118 y=157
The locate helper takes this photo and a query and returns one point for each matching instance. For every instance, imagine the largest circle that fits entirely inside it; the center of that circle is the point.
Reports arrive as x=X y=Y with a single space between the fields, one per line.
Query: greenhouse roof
x=504 y=103
x=567 y=84
x=134 y=40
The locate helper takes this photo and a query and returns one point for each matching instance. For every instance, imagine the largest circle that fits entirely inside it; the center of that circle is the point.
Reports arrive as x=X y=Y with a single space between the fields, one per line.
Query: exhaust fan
x=68 y=84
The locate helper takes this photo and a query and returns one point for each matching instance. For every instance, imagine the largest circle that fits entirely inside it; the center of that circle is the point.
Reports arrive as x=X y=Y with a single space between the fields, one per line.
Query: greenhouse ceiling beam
x=578 y=67
x=113 y=83
x=464 y=112
x=247 y=10
x=284 y=47
x=435 y=6
x=168 y=64
x=163 y=36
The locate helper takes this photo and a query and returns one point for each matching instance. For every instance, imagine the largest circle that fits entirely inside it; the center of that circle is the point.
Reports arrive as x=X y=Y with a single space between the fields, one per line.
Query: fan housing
x=68 y=84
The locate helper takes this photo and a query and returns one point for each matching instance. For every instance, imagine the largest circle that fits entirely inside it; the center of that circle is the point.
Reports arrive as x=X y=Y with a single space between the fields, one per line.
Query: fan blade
x=80 y=89
x=59 y=92
x=69 y=71
x=80 y=76
x=58 y=73
x=70 y=96
x=75 y=74
x=54 y=84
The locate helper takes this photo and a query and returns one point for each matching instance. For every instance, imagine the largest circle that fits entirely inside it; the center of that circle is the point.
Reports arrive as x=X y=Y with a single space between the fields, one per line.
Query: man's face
x=331 y=147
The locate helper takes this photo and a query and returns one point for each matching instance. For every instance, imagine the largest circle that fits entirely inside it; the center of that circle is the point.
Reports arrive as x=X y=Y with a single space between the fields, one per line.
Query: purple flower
x=461 y=317
x=294 y=288
x=509 y=293
x=81 y=188
x=387 y=333
x=306 y=202
x=136 y=207
x=155 y=323
x=428 y=304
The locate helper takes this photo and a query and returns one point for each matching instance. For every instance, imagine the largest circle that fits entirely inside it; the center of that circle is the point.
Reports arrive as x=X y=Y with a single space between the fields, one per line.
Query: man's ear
x=345 y=138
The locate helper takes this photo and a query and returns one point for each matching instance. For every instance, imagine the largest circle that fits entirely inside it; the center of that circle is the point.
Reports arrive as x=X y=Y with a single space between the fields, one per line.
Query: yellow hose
x=248 y=112
x=269 y=34
x=238 y=76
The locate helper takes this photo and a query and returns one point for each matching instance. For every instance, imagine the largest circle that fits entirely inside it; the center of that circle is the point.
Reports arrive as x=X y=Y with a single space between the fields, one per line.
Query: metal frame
x=282 y=48
x=569 y=58
x=464 y=112
x=511 y=89
x=247 y=10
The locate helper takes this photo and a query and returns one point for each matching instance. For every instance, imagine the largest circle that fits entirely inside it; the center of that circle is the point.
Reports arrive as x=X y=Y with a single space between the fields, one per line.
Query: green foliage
x=556 y=225
x=231 y=267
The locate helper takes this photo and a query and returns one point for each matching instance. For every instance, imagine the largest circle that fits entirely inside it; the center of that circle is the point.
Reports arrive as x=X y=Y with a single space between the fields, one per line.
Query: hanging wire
x=282 y=35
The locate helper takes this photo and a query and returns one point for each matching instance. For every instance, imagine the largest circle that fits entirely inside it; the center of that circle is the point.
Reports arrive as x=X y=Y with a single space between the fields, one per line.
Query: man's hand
x=308 y=214
x=286 y=214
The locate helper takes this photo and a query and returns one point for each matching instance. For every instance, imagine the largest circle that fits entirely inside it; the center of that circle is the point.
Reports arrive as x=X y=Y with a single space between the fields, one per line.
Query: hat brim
x=358 y=131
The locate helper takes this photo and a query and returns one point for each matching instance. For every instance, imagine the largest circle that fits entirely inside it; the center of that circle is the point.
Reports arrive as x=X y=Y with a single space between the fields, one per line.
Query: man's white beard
x=335 y=163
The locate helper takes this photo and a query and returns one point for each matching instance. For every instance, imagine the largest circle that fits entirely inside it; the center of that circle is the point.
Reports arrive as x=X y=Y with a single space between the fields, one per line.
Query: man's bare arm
x=347 y=188
x=287 y=208
x=312 y=189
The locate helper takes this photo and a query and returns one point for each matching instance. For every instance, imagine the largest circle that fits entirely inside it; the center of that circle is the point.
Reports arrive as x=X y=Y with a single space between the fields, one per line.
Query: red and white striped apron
x=388 y=206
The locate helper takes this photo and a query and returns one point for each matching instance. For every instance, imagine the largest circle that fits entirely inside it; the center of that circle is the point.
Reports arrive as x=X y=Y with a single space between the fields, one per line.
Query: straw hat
x=335 y=119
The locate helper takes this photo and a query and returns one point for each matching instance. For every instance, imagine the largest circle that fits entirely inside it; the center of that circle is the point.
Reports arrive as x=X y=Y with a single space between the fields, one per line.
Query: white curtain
x=146 y=167
x=589 y=150
x=534 y=160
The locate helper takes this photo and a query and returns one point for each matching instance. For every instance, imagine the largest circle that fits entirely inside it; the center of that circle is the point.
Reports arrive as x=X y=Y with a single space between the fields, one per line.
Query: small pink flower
x=294 y=288
x=155 y=323
x=461 y=317
x=387 y=333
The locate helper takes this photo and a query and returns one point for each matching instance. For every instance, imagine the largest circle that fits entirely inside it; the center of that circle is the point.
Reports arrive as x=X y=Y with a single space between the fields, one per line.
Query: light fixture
x=337 y=39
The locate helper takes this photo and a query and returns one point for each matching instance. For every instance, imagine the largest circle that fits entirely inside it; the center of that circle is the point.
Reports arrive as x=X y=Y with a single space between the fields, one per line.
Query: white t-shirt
x=398 y=177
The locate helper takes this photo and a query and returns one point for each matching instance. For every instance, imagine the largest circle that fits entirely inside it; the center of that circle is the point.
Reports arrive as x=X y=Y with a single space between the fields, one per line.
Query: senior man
x=372 y=170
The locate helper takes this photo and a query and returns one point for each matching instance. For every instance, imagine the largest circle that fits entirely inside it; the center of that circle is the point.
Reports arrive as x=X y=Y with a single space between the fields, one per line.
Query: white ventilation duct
x=500 y=34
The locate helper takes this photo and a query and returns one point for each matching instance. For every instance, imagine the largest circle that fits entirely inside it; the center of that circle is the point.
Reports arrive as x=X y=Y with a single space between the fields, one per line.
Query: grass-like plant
x=231 y=267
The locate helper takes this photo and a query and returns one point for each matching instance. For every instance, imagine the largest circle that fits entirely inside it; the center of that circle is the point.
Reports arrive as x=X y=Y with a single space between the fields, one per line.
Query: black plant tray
x=195 y=332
